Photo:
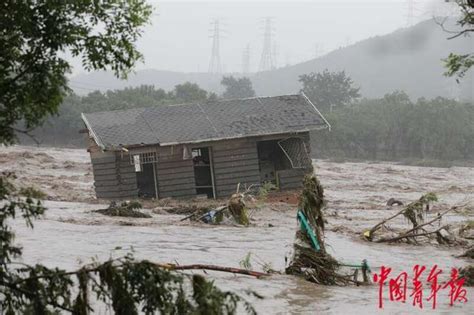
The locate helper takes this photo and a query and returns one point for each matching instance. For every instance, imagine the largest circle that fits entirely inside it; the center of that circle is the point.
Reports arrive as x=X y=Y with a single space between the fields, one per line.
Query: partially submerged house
x=202 y=148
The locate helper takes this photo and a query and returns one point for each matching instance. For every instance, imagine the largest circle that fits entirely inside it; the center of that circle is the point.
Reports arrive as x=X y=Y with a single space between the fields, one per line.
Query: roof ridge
x=192 y=103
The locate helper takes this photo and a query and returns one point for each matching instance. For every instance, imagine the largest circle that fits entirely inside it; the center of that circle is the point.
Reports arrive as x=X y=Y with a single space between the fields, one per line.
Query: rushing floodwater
x=69 y=235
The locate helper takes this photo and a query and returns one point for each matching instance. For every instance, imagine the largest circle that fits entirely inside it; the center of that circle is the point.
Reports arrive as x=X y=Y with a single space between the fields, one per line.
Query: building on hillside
x=202 y=149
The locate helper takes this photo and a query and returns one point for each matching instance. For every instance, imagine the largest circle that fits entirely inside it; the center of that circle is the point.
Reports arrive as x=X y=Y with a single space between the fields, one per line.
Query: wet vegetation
x=396 y=128
x=435 y=132
x=125 y=209
x=310 y=258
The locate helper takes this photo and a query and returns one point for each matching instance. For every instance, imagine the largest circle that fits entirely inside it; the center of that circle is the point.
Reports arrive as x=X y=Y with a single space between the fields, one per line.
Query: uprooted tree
x=310 y=258
x=32 y=85
x=415 y=212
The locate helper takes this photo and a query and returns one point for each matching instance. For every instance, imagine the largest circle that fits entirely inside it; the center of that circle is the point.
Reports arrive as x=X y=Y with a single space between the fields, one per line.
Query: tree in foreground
x=35 y=36
x=32 y=85
x=459 y=65
x=237 y=88
x=329 y=89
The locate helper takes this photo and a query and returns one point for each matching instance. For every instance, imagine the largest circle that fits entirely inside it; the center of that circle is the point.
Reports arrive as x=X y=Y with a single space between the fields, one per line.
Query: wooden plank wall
x=114 y=176
x=291 y=179
x=235 y=161
x=175 y=175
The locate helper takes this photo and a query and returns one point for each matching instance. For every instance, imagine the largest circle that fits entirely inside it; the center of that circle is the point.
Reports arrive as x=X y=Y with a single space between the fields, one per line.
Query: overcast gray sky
x=179 y=37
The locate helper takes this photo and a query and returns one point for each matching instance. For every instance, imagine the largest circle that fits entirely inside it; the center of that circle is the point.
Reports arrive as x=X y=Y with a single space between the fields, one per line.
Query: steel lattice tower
x=215 y=65
x=266 y=61
x=246 y=60
x=410 y=12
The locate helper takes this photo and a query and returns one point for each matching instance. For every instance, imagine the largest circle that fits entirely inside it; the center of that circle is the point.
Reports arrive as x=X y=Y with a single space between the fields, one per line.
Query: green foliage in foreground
x=127 y=286
x=395 y=128
x=459 y=65
x=35 y=35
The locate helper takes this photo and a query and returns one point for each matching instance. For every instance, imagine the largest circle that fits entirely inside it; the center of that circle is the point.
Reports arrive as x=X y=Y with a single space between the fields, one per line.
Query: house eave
x=133 y=146
x=94 y=135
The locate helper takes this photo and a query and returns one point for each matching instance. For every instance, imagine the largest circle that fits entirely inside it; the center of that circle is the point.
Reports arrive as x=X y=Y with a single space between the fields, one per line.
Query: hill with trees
x=409 y=59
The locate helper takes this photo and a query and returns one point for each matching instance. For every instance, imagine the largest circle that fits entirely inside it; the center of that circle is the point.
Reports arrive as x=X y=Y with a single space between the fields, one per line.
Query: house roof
x=198 y=122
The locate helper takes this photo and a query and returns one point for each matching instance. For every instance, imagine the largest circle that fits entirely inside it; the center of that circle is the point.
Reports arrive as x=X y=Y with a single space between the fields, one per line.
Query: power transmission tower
x=246 y=60
x=287 y=59
x=275 y=55
x=318 y=50
x=266 y=61
x=215 y=65
x=411 y=12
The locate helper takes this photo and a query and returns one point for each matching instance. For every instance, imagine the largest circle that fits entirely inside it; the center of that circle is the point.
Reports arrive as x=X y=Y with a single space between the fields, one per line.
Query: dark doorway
x=203 y=176
x=271 y=158
x=146 y=181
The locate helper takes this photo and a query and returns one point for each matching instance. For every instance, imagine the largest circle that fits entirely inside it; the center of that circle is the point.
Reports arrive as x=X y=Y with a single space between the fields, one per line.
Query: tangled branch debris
x=414 y=212
x=238 y=209
x=310 y=258
x=469 y=253
x=125 y=209
x=468 y=274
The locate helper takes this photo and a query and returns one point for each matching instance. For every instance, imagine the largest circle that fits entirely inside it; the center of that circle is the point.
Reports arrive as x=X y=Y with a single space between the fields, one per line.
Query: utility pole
x=215 y=65
x=266 y=61
x=246 y=60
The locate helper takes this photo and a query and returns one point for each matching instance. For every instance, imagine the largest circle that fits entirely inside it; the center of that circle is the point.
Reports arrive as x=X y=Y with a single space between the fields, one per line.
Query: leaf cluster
x=459 y=64
x=237 y=87
x=34 y=37
x=395 y=128
x=329 y=89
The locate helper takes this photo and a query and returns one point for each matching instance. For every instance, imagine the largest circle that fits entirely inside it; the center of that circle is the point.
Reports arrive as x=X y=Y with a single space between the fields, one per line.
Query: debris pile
x=238 y=209
x=125 y=209
x=415 y=213
x=310 y=258
x=468 y=274
x=469 y=253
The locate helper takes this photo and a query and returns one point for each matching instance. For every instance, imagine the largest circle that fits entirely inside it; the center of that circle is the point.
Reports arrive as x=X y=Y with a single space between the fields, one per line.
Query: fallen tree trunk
x=214 y=268
x=380 y=224
x=414 y=212
x=412 y=232
x=407 y=235
x=310 y=259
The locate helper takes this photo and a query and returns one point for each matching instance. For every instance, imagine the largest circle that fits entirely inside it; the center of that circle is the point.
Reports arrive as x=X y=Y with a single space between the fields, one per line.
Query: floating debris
x=393 y=201
x=310 y=258
x=468 y=274
x=125 y=209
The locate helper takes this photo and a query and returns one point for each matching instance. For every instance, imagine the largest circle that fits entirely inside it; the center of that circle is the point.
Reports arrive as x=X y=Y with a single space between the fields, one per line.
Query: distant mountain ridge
x=409 y=59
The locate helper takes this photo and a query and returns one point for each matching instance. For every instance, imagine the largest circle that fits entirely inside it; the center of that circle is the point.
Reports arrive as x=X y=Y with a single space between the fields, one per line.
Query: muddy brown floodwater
x=70 y=234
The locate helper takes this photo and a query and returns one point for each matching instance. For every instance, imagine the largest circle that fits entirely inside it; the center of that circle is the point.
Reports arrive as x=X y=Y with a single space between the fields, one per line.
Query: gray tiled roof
x=189 y=123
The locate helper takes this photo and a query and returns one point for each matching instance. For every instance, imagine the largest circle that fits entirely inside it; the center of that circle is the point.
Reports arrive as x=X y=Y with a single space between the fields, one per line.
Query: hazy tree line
x=391 y=128
x=396 y=128
x=63 y=129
